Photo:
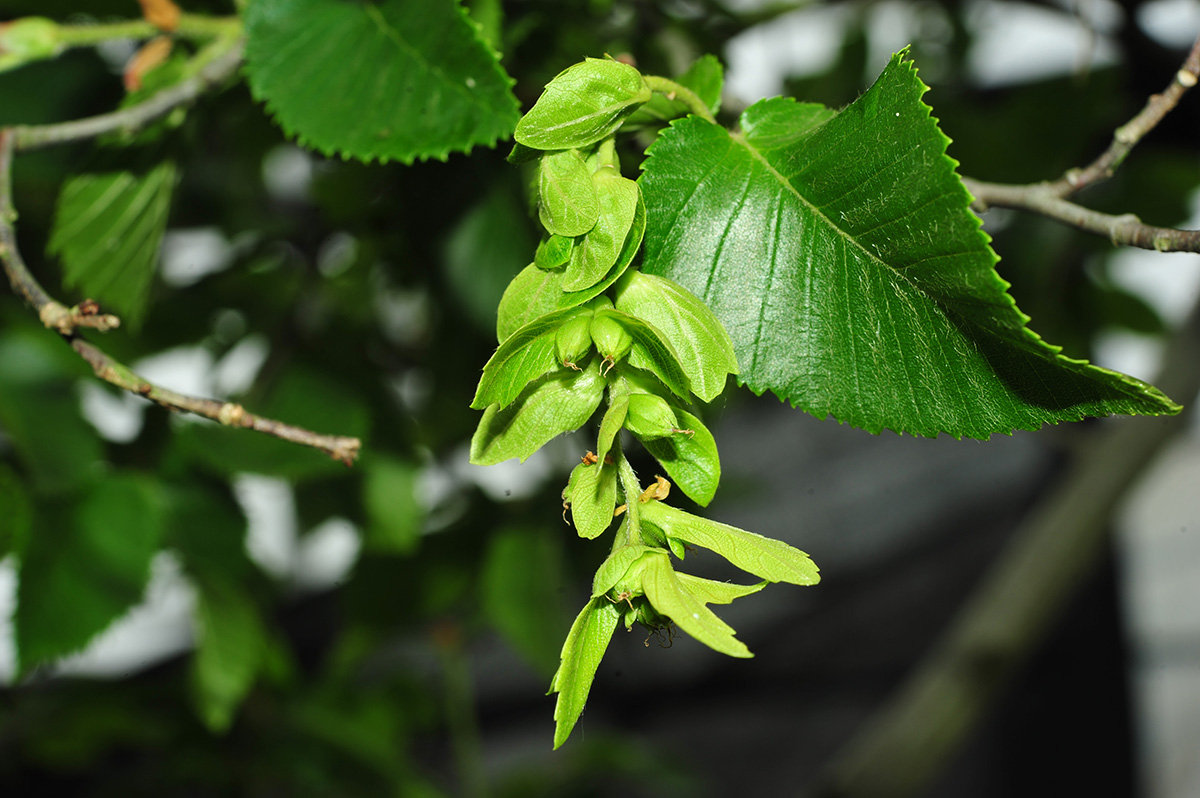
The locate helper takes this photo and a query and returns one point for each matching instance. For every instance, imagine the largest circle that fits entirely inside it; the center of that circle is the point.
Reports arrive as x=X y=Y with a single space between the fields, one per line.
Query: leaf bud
x=650 y=417
x=573 y=340
x=612 y=340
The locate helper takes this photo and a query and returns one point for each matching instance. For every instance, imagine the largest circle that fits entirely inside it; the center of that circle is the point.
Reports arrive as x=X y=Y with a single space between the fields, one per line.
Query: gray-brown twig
x=66 y=321
x=1050 y=198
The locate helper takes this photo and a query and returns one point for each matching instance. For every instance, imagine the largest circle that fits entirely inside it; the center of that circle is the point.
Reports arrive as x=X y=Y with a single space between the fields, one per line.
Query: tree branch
x=1049 y=198
x=1049 y=556
x=222 y=65
x=65 y=321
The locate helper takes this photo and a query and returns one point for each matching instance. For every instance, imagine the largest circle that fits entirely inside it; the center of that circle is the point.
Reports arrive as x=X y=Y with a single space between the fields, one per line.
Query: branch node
x=346 y=450
x=56 y=316
x=231 y=415
x=1185 y=78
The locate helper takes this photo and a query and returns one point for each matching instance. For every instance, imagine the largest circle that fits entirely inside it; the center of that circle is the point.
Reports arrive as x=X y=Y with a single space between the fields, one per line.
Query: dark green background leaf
x=81 y=571
x=397 y=80
x=854 y=281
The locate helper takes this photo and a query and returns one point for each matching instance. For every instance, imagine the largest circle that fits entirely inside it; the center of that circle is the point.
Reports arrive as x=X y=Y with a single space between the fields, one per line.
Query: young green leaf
x=108 y=227
x=597 y=252
x=766 y=558
x=524 y=356
x=710 y=592
x=592 y=494
x=553 y=252
x=841 y=255
x=621 y=568
x=398 y=79
x=568 y=199
x=672 y=598
x=701 y=343
x=689 y=458
x=581 y=655
x=553 y=404
x=583 y=104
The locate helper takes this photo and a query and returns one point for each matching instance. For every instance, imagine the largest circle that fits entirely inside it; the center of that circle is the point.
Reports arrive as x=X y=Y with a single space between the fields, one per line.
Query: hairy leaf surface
x=581 y=655
x=840 y=253
x=395 y=80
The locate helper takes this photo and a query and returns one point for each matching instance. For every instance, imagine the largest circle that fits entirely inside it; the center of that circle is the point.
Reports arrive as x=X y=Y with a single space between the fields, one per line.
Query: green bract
x=690 y=458
x=553 y=404
x=700 y=342
x=598 y=251
x=657 y=346
x=569 y=203
x=582 y=105
x=592 y=494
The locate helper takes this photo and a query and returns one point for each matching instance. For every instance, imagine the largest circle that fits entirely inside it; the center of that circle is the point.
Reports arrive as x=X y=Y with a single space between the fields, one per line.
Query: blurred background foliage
x=400 y=641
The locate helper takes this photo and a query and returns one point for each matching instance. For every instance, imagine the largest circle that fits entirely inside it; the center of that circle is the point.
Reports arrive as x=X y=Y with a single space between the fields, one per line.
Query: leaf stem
x=676 y=91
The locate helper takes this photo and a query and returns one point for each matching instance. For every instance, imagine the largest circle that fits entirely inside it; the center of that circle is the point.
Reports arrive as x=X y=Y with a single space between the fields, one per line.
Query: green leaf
x=568 y=199
x=710 y=592
x=394 y=516
x=535 y=292
x=618 y=568
x=554 y=252
x=556 y=403
x=231 y=646
x=527 y=611
x=581 y=655
x=651 y=351
x=394 y=80
x=671 y=598
x=766 y=558
x=841 y=255
x=583 y=104
x=524 y=356
x=592 y=494
x=85 y=566
x=16 y=512
x=596 y=253
x=700 y=342
x=108 y=227
x=485 y=250
x=690 y=460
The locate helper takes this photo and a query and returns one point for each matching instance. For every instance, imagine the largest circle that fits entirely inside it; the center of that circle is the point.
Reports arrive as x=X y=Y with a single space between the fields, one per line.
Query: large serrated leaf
x=81 y=570
x=108 y=227
x=840 y=253
x=395 y=80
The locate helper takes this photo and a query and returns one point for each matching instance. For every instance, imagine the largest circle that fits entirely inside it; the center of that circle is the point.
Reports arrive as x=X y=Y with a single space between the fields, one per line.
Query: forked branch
x=1050 y=198
x=67 y=320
